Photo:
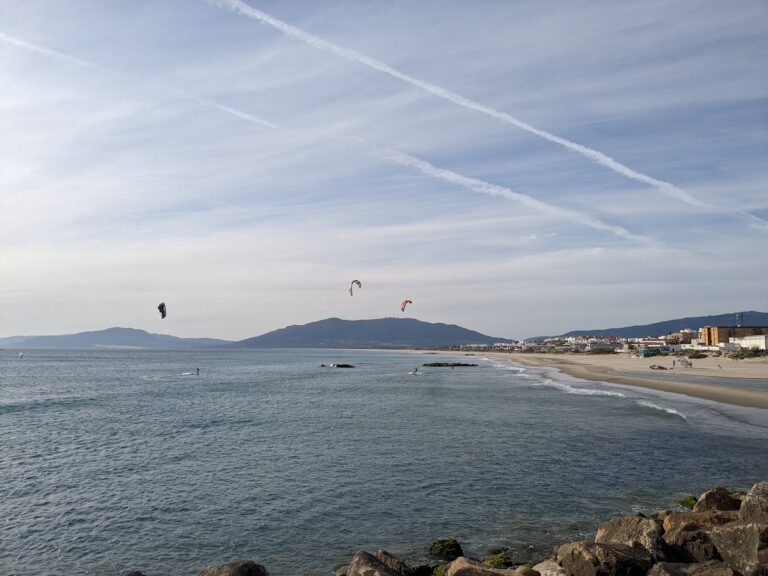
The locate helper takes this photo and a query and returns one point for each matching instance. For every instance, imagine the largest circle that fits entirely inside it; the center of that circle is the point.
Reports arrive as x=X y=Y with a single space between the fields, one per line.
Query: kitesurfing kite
x=161 y=307
x=403 y=304
x=351 y=284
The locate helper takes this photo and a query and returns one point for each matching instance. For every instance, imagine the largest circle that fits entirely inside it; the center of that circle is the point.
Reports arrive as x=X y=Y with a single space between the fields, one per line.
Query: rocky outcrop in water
x=726 y=534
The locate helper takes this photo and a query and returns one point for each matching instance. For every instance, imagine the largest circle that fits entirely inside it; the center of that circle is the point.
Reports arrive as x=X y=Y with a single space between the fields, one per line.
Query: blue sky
x=244 y=161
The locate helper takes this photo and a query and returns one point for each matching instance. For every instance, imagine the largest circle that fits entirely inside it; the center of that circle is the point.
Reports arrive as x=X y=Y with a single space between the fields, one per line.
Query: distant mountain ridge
x=750 y=318
x=110 y=338
x=378 y=333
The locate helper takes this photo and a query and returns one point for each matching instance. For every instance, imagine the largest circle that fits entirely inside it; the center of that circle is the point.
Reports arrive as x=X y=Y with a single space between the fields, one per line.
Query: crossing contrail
x=388 y=155
x=590 y=153
x=482 y=187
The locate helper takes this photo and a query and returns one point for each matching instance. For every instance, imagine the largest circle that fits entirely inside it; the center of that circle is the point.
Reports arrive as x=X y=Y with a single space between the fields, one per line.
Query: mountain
x=380 y=333
x=750 y=318
x=110 y=338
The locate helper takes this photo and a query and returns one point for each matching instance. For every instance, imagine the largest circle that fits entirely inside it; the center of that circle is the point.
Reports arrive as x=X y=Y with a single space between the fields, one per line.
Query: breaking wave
x=653 y=406
x=580 y=391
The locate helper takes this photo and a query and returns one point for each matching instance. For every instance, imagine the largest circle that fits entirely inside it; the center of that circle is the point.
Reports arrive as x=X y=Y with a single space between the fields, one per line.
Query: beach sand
x=700 y=381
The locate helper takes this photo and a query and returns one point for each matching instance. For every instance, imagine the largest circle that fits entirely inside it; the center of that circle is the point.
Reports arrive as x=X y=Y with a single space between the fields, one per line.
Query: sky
x=517 y=168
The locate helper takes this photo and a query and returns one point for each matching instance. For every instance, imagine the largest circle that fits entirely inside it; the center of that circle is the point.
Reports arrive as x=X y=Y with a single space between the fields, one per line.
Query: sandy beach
x=720 y=379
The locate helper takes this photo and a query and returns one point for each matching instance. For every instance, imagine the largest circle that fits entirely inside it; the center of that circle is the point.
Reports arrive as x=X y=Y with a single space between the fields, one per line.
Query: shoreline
x=624 y=370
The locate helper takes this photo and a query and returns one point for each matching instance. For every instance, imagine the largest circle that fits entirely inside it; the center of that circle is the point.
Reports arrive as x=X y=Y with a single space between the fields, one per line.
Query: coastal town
x=707 y=340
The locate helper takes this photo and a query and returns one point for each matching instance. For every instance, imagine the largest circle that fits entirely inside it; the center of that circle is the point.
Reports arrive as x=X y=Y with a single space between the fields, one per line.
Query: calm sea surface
x=119 y=460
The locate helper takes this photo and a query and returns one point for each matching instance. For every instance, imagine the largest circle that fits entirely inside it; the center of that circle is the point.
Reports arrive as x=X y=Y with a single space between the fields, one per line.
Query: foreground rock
x=635 y=532
x=712 y=568
x=394 y=563
x=755 y=504
x=726 y=534
x=744 y=547
x=365 y=564
x=236 y=568
x=446 y=548
x=689 y=534
x=549 y=568
x=465 y=567
x=716 y=499
x=594 y=559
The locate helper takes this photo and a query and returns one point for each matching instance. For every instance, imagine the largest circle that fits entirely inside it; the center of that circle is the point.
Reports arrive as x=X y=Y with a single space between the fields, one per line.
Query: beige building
x=714 y=335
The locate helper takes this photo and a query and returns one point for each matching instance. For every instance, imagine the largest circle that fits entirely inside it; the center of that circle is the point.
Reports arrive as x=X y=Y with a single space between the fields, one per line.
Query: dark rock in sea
x=743 y=547
x=716 y=499
x=500 y=560
x=133 y=573
x=711 y=568
x=446 y=364
x=365 y=564
x=336 y=366
x=446 y=548
x=634 y=531
x=755 y=504
x=236 y=568
x=394 y=562
x=592 y=559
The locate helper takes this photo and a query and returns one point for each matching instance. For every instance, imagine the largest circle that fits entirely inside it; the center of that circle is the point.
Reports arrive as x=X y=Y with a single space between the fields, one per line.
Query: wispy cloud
x=594 y=155
x=391 y=156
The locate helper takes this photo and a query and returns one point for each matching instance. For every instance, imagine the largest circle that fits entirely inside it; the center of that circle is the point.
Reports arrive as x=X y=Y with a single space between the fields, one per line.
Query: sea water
x=127 y=460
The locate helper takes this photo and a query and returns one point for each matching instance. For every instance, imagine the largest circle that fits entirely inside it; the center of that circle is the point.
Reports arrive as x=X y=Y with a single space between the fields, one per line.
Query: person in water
x=198 y=371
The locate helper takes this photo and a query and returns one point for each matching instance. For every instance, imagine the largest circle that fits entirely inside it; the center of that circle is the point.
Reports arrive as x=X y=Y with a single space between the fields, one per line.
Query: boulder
x=526 y=571
x=743 y=547
x=711 y=568
x=236 y=568
x=465 y=567
x=687 y=534
x=634 y=531
x=755 y=504
x=446 y=548
x=588 y=558
x=549 y=568
x=716 y=499
x=394 y=563
x=365 y=564
x=500 y=560
x=424 y=569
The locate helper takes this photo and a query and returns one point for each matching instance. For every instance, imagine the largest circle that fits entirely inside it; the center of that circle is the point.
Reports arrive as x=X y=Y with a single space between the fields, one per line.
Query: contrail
x=594 y=155
x=389 y=155
x=483 y=187
x=43 y=51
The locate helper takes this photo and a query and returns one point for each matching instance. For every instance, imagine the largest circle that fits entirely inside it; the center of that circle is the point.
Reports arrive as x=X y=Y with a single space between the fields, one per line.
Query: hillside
x=110 y=338
x=379 y=333
x=750 y=318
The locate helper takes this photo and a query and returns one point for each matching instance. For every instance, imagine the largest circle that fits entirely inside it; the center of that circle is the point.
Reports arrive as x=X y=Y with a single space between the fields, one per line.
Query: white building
x=751 y=342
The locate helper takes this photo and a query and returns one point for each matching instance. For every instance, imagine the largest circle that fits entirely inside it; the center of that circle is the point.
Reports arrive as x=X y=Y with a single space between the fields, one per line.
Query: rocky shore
x=723 y=534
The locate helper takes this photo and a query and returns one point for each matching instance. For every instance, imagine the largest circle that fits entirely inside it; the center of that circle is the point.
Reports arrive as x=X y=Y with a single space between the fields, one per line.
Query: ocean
x=122 y=460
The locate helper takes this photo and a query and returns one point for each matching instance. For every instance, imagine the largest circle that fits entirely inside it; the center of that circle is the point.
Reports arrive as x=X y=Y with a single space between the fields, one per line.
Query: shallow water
x=116 y=460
